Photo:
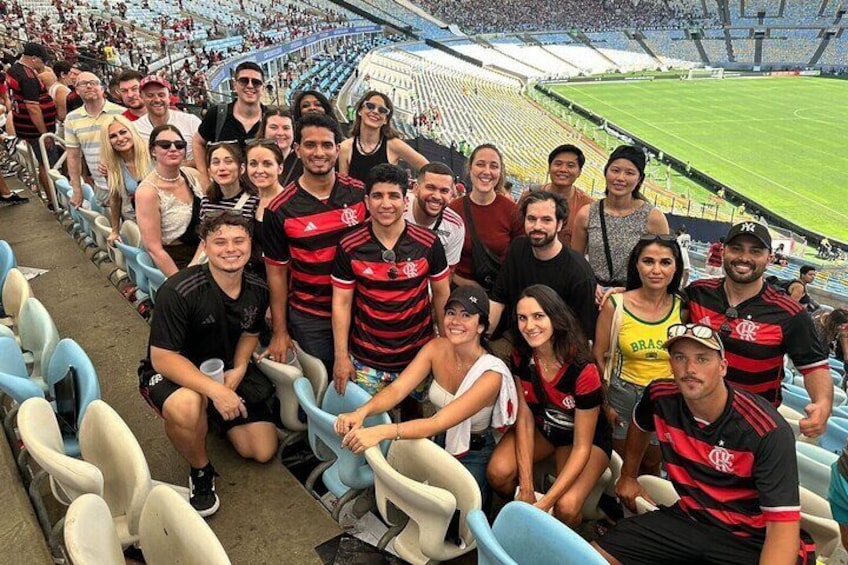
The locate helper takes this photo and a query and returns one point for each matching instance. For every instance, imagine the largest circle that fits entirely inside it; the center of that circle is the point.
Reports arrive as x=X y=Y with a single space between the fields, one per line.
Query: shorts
x=477 y=458
x=622 y=397
x=669 y=535
x=559 y=438
x=156 y=389
x=837 y=495
x=314 y=335
x=374 y=380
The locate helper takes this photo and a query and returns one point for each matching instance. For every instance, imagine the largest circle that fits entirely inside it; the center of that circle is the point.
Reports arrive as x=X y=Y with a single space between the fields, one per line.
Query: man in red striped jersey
x=731 y=459
x=759 y=324
x=301 y=228
x=382 y=277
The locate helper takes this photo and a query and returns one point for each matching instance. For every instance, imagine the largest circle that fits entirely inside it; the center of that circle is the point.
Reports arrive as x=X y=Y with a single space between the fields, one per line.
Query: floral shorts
x=374 y=380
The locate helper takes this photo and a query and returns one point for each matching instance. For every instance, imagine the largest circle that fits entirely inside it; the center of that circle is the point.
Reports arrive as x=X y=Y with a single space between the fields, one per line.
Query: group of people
x=558 y=321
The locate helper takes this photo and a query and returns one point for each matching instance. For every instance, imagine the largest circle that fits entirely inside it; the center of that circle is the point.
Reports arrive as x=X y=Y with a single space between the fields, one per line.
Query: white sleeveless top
x=174 y=213
x=480 y=422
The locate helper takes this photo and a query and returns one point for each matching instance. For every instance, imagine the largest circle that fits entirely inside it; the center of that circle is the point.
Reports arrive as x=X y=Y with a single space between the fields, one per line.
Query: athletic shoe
x=201 y=483
x=12 y=199
x=11 y=144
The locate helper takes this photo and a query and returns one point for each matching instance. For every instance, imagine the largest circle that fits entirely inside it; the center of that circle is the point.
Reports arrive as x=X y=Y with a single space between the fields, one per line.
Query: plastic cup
x=214 y=369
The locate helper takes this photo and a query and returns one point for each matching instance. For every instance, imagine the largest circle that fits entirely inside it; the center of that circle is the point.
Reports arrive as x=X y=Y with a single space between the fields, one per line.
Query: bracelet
x=397 y=431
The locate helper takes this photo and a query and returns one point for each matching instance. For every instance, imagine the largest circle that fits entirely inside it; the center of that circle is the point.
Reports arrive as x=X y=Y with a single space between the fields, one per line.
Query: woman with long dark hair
x=639 y=318
x=227 y=191
x=309 y=102
x=472 y=390
x=373 y=140
x=559 y=412
x=606 y=231
x=168 y=202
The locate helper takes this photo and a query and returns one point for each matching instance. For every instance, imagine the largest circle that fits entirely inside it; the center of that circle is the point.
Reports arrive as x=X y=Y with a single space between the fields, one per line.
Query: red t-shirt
x=496 y=225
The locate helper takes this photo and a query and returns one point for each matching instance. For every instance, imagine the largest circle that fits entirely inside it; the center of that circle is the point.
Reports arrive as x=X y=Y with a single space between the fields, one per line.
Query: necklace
x=166 y=179
x=362 y=150
x=545 y=367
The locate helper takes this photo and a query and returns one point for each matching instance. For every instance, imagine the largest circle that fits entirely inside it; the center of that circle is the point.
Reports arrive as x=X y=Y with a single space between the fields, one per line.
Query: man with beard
x=539 y=257
x=383 y=275
x=300 y=231
x=156 y=95
x=759 y=324
x=130 y=91
x=433 y=191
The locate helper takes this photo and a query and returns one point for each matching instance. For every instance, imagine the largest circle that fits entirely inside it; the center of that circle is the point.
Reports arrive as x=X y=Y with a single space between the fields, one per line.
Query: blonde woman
x=126 y=159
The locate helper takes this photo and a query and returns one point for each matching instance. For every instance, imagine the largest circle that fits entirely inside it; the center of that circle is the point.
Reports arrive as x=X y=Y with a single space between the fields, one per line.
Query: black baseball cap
x=472 y=298
x=754 y=229
x=32 y=49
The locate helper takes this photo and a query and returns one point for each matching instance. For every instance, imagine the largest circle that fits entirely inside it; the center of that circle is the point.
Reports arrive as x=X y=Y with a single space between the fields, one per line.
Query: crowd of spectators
x=491 y=16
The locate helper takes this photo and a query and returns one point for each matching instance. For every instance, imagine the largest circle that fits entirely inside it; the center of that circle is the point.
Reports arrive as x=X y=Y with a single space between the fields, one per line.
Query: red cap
x=153 y=79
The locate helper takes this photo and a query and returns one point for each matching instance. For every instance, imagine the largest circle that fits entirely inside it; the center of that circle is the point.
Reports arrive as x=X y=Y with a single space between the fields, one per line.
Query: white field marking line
x=728 y=161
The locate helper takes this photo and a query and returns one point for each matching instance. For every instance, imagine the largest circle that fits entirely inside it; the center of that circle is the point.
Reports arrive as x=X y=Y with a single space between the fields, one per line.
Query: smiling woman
x=374 y=141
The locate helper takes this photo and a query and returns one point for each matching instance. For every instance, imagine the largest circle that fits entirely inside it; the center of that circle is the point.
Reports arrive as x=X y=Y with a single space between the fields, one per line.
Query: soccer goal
x=708 y=72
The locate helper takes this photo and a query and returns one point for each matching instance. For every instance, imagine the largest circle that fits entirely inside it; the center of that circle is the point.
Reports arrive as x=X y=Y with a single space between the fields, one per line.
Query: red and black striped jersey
x=299 y=228
x=736 y=473
x=392 y=312
x=25 y=86
x=767 y=326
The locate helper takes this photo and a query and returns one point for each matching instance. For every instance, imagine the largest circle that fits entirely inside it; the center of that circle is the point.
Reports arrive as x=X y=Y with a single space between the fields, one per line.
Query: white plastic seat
x=90 y=536
x=814 y=467
x=38 y=335
x=283 y=376
x=113 y=465
x=424 y=482
x=660 y=490
x=817 y=520
x=173 y=532
x=16 y=290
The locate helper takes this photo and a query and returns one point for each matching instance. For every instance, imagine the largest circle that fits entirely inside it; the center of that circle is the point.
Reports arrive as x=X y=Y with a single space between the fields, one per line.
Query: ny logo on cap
x=473 y=299
x=748 y=226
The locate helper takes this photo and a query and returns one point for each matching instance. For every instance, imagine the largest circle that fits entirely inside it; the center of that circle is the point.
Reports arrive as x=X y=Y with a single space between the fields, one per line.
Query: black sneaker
x=11 y=144
x=201 y=483
x=12 y=199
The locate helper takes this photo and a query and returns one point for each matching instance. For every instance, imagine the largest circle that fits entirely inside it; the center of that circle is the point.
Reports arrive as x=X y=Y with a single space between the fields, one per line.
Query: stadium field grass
x=779 y=141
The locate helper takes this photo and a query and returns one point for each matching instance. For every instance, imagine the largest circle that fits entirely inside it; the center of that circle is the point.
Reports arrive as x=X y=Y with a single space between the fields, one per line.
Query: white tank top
x=480 y=422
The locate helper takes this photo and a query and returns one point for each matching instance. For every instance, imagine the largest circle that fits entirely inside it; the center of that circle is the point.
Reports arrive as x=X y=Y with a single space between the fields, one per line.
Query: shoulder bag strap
x=241 y=201
x=220 y=118
x=541 y=395
x=469 y=218
x=615 y=328
x=606 y=239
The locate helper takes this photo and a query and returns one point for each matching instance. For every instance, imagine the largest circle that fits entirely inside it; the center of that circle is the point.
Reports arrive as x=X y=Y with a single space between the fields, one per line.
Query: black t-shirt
x=569 y=274
x=232 y=130
x=187 y=315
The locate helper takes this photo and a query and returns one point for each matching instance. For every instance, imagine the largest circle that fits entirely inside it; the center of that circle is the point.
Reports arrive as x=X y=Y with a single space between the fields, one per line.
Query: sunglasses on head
x=254 y=82
x=370 y=106
x=696 y=330
x=390 y=257
x=658 y=237
x=262 y=142
x=177 y=144
x=220 y=143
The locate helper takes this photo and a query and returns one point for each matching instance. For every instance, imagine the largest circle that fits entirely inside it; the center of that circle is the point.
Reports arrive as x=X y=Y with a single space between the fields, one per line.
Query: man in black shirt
x=242 y=118
x=540 y=258
x=204 y=312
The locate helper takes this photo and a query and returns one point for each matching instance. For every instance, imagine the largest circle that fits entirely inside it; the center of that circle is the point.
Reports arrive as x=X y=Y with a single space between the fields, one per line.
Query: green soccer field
x=779 y=141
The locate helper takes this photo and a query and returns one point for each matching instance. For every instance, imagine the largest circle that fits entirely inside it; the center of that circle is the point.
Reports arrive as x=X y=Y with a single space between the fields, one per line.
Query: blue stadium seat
x=524 y=535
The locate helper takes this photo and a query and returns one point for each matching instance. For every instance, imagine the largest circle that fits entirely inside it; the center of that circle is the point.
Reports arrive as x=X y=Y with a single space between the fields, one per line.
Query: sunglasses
x=220 y=143
x=658 y=237
x=177 y=144
x=370 y=106
x=695 y=330
x=390 y=257
x=730 y=314
x=262 y=142
x=254 y=82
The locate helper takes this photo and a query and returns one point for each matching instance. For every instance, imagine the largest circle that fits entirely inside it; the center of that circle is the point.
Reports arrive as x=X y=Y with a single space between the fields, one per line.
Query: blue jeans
x=476 y=461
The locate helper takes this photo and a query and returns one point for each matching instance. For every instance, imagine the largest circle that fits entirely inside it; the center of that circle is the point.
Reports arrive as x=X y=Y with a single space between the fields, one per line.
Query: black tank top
x=361 y=164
